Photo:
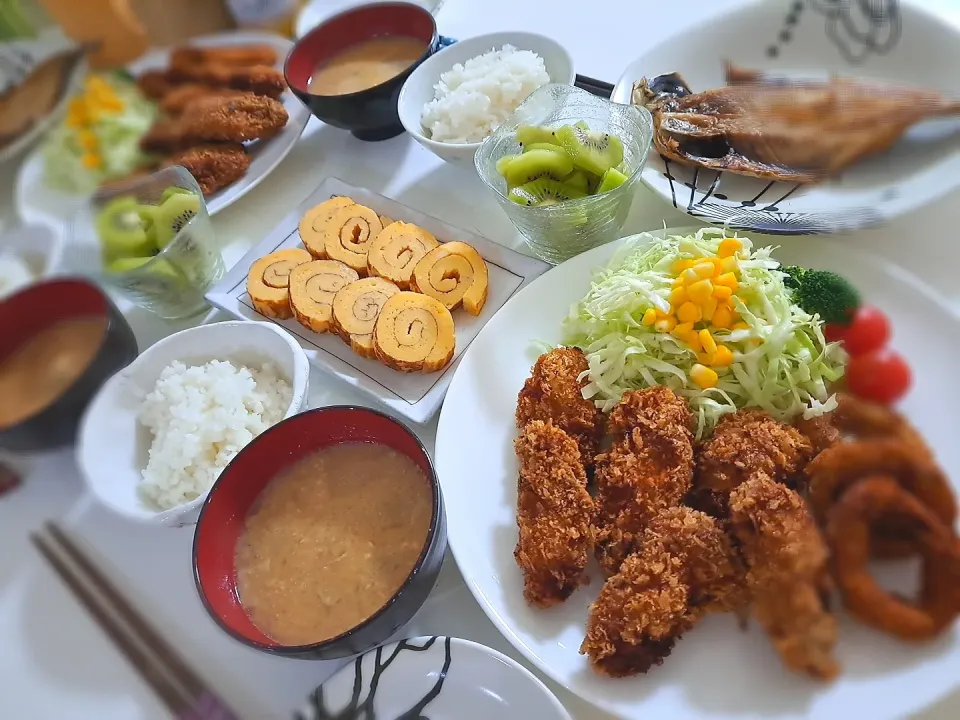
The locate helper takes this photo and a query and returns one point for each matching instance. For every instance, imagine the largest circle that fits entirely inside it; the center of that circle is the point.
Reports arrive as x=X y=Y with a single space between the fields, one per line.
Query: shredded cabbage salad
x=781 y=362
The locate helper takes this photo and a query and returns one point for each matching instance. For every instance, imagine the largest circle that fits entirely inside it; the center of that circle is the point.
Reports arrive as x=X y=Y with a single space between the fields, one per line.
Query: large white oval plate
x=716 y=670
x=882 y=39
x=40 y=204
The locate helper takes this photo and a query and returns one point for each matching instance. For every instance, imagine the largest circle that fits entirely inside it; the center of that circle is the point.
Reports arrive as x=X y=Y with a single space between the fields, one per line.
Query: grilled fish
x=773 y=128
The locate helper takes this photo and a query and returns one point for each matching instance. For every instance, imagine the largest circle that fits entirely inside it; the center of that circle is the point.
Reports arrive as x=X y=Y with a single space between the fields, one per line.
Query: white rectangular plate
x=416 y=396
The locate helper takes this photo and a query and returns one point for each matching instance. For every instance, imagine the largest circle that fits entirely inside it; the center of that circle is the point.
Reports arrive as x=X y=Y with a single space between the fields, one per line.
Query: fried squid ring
x=453 y=273
x=355 y=310
x=313 y=286
x=348 y=236
x=268 y=282
x=397 y=250
x=839 y=467
x=414 y=332
x=313 y=224
x=873 y=500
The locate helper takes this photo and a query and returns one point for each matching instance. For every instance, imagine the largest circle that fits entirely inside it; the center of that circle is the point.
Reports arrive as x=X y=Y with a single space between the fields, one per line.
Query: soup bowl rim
x=305 y=40
x=436 y=523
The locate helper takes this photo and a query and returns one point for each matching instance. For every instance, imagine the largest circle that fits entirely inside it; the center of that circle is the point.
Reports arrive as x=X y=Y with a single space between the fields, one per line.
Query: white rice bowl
x=474 y=98
x=200 y=418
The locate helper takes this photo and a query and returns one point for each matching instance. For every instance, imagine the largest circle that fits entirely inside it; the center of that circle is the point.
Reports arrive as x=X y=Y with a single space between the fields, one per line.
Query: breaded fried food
x=685 y=569
x=235 y=56
x=787 y=573
x=166 y=137
x=553 y=392
x=238 y=119
x=820 y=431
x=179 y=98
x=649 y=468
x=258 y=80
x=747 y=442
x=214 y=166
x=155 y=84
x=554 y=514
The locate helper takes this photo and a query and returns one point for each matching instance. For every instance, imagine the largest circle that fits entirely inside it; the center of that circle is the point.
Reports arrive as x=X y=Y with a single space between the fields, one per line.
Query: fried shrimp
x=554 y=514
x=553 y=392
x=214 y=166
x=787 y=573
x=648 y=469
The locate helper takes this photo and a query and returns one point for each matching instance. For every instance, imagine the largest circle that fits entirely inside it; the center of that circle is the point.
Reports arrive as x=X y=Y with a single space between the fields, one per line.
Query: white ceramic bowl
x=37 y=246
x=418 y=90
x=112 y=446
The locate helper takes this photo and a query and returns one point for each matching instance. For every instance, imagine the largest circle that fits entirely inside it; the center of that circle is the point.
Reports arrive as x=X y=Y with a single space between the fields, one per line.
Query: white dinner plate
x=435 y=678
x=880 y=39
x=716 y=670
x=38 y=203
x=416 y=396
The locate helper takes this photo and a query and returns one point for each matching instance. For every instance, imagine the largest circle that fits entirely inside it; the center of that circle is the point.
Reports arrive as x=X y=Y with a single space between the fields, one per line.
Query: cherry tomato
x=869 y=330
x=835 y=332
x=880 y=375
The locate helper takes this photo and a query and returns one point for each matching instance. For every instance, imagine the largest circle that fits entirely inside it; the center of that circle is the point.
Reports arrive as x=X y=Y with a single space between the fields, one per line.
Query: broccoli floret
x=794 y=276
x=827 y=294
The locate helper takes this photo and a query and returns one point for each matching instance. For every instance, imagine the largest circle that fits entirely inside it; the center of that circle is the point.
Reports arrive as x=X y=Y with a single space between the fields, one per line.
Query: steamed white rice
x=201 y=417
x=473 y=99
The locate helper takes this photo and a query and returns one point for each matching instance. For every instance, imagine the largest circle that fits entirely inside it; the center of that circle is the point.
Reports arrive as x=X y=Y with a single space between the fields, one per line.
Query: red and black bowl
x=38 y=307
x=223 y=515
x=369 y=114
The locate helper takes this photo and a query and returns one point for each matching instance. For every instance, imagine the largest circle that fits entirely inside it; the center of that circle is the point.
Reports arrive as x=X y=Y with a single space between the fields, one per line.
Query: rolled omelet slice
x=348 y=236
x=355 y=310
x=313 y=224
x=268 y=282
x=313 y=286
x=454 y=273
x=397 y=250
x=414 y=332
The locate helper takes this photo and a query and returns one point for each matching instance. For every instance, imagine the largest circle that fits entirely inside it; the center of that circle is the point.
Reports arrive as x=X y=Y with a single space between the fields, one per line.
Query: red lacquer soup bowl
x=235 y=492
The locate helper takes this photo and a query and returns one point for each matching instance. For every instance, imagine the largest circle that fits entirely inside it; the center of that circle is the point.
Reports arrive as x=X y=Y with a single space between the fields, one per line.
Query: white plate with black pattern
x=433 y=678
x=875 y=39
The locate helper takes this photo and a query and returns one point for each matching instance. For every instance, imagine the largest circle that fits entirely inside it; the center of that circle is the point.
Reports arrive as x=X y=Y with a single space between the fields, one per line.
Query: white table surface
x=56 y=663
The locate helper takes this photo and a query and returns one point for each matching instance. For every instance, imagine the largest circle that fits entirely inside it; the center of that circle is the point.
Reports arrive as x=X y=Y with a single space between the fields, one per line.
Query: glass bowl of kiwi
x=152 y=240
x=564 y=168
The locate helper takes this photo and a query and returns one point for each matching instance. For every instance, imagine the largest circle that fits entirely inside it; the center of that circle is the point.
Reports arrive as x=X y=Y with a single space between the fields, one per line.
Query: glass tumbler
x=558 y=232
x=173 y=282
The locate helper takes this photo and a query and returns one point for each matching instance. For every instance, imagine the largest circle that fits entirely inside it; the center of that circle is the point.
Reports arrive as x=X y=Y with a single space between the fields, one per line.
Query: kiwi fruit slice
x=538 y=164
x=173 y=190
x=582 y=125
x=611 y=179
x=578 y=179
x=530 y=134
x=595 y=152
x=544 y=191
x=173 y=215
x=121 y=232
x=543 y=146
x=503 y=162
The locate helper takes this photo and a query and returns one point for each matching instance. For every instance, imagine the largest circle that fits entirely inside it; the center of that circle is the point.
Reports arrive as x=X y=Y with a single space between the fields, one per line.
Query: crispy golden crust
x=214 y=166
x=237 y=119
x=259 y=80
x=237 y=56
x=180 y=98
x=820 y=431
x=554 y=513
x=552 y=392
x=685 y=569
x=787 y=573
x=155 y=84
x=649 y=468
x=165 y=137
x=747 y=442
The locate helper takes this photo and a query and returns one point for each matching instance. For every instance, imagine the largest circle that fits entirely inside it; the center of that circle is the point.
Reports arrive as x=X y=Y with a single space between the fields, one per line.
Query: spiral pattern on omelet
x=414 y=332
x=313 y=286
x=455 y=274
x=268 y=282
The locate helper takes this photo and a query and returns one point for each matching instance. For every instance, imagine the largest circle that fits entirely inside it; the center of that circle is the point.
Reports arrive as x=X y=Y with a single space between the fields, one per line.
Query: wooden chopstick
x=175 y=683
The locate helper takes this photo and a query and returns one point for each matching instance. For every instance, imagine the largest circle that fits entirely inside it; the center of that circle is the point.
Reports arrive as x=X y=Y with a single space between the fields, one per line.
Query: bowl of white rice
x=459 y=96
x=158 y=434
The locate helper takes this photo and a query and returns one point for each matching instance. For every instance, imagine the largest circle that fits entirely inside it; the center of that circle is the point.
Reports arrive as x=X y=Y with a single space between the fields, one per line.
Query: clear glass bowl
x=558 y=232
x=173 y=283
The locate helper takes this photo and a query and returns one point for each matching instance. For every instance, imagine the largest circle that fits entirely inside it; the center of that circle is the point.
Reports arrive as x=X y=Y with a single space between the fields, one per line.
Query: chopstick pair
x=175 y=683
x=594 y=86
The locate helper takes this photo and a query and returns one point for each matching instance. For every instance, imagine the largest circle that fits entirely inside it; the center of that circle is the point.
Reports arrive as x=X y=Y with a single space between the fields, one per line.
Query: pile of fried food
x=761 y=518
x=214 y=102
x=386 y=287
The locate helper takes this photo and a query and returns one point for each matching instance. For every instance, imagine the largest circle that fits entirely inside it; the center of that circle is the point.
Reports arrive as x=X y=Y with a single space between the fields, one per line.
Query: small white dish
x=38 y=247
x=418 y=90
x=440 y=678
x=112 y=446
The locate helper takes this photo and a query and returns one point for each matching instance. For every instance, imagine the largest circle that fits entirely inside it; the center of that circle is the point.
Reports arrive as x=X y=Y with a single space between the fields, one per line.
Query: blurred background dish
x=227 y=518
x=349 y=70
x=443 y=677
x=420 y=88
x=59 y=341
x=27 y=253
x=113 y=447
